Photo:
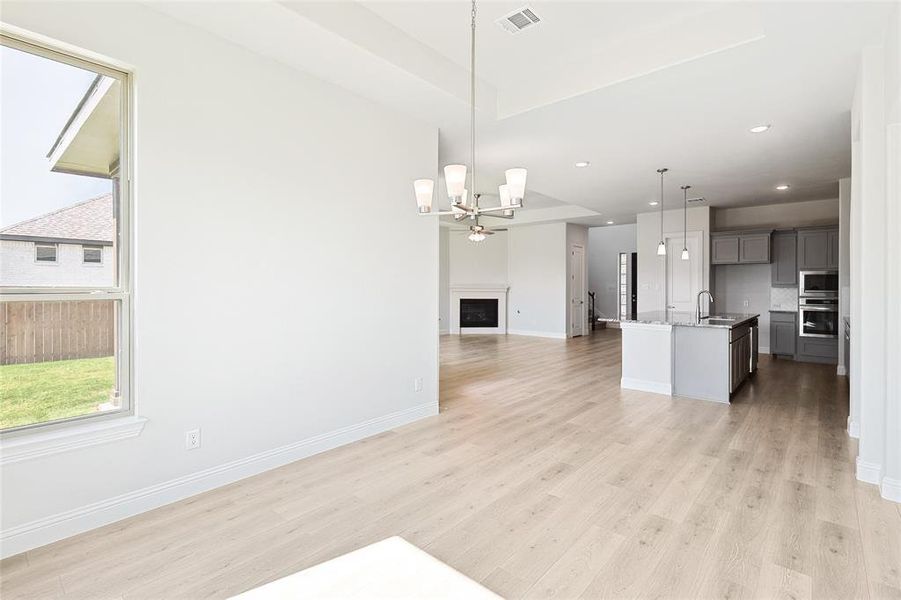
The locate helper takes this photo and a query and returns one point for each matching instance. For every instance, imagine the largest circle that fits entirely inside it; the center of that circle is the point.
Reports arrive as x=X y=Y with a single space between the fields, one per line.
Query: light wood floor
x=539 y=478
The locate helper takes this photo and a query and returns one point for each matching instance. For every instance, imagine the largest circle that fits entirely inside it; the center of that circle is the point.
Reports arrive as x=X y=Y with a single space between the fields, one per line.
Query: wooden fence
x=32 y=332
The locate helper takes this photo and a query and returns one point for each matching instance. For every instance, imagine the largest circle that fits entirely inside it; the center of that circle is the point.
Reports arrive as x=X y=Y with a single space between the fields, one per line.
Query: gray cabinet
x=754 y=248
x=818 y=249
x=739 y=356
x=785 y=259
x=724 y=249
x=820 y=350
x=783 y=333
x=832 y=249
x=743 y=247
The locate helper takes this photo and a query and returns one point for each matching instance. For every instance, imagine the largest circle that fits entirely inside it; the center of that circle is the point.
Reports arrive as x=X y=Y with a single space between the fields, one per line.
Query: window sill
x=81 y=435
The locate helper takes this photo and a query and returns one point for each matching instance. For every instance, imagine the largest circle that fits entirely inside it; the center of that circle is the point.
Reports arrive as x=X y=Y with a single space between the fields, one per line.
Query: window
x=45 y=253
x=92 y=254
x=65 y=344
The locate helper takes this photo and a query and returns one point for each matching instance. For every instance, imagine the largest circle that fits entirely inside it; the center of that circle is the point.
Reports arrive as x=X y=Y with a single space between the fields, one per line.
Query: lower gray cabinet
x=821 y=350
x=783 y=333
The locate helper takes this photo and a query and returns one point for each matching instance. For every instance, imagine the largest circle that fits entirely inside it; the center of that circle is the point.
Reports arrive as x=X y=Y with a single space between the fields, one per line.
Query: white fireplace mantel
x=474 y=290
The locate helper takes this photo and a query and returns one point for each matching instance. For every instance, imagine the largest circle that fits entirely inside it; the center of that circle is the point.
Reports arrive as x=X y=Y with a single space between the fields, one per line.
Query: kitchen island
x=673 y=353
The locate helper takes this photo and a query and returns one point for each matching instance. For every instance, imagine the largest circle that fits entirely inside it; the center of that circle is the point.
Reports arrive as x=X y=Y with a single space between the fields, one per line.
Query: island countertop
x=688 y=319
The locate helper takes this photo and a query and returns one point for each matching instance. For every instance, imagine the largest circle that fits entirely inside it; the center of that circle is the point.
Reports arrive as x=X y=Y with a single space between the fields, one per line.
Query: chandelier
x=511 y=193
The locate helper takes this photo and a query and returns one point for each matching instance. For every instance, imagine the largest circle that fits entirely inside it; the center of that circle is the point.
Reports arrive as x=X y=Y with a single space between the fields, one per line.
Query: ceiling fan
x=478 y=232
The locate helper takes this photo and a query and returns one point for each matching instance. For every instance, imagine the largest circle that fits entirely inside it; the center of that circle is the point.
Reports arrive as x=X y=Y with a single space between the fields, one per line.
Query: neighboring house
x=72 y=246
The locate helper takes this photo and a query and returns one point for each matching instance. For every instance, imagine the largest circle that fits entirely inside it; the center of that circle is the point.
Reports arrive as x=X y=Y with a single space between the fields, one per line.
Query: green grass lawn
x=39 y=392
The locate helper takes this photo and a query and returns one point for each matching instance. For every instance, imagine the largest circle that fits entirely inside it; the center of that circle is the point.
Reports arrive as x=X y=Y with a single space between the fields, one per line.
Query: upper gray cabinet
x=741 y=247
x=754 y=248
x=785 y=259
x=818 y=249
x=724 y=249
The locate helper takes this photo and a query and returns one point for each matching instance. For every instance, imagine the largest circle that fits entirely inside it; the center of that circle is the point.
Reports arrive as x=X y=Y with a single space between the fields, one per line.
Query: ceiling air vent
x=518 y=20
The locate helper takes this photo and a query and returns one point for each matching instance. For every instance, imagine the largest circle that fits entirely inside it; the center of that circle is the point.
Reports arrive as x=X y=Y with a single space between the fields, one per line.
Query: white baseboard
x=542 y=334
x=56 y=527
x=764 y=350
x=646 y=386
x=840 y=371
x=443 y=331
x=890 y=489
x=868 y=472
x=853 y=428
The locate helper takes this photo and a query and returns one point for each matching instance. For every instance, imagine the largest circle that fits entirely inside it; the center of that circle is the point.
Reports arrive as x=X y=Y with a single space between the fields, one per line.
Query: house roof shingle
x=86 y=221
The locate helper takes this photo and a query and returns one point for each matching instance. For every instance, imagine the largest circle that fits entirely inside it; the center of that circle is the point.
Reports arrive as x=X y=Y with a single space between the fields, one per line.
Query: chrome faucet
x=709 y=295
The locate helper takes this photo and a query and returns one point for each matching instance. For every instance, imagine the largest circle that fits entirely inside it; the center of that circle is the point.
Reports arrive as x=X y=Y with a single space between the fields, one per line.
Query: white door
x=684 y=278
x=577 y=291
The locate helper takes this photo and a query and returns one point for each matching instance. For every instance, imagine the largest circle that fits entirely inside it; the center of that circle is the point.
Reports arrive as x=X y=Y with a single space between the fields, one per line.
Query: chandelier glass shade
x=511 y=193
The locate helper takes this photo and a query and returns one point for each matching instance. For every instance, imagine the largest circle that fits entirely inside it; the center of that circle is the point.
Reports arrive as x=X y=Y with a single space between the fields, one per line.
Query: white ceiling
x=629 y=86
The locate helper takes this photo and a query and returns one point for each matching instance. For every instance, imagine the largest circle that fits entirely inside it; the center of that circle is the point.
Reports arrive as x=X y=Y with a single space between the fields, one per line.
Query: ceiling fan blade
x=487 y=232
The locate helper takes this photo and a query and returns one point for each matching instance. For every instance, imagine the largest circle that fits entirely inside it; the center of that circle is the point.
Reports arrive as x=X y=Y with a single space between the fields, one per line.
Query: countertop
x=784 y=310
x=688 y=319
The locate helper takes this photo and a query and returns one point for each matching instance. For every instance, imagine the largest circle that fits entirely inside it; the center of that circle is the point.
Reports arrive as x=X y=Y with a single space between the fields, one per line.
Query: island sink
x=674 y=353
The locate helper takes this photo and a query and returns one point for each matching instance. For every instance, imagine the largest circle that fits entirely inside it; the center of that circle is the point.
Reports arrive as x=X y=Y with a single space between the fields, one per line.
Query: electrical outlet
x=746 y=303
x=417 y=384
x=192 y=439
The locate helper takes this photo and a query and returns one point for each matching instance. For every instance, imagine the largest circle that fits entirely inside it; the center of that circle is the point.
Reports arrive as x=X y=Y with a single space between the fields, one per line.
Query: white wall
x=443 y=280
x=19 y=267
x=263 y=350
x=480 y=263
x=576 y=235
x=791 y=214
x=605 y=245
x=844 y=266
x=875 y=221
x=736 y=284
x=652 y=268
x=537 y=271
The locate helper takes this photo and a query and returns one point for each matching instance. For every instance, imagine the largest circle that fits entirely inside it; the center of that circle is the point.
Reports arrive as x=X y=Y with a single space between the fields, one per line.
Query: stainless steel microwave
x=817 y=284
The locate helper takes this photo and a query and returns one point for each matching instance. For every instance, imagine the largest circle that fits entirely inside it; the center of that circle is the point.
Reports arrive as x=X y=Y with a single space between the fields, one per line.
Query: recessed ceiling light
x=582 y=164
x=653 y=203
x=609 y=222
x=760 y=128
x=782 y=187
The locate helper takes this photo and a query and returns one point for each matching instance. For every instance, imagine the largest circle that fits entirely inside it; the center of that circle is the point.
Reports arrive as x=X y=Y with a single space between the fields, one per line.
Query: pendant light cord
x=472 y=106
x=661 y=171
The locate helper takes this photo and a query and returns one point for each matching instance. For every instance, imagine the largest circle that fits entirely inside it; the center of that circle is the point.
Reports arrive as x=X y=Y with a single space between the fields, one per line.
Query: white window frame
x=55 y=260
x=39 y=439
x=91 y=247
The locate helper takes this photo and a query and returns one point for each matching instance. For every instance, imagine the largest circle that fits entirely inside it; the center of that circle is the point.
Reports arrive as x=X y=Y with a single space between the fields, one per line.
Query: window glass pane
x=58 y=183
x=57 y=360
x=93 y=254
x=44 y=252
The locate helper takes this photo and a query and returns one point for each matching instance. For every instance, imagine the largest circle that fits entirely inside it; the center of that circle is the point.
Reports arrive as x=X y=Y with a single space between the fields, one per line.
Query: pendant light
x=685 y=189
x=661 y=247
x=464 y=203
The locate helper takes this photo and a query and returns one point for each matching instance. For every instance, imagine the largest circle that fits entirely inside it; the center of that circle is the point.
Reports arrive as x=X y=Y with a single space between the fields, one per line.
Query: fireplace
x=478 y=312
x=478 y=309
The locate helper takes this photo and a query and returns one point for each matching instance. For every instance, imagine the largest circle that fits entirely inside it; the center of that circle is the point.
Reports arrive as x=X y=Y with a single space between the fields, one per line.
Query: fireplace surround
x=478 y=308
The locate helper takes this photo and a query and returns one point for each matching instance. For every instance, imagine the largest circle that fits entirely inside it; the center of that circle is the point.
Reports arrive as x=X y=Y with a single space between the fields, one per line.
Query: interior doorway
x=577 y=317
x=684 y=278
x=627 y=284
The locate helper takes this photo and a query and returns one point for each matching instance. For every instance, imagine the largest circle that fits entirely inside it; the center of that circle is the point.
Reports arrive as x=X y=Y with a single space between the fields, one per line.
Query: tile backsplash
x=783 y=298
